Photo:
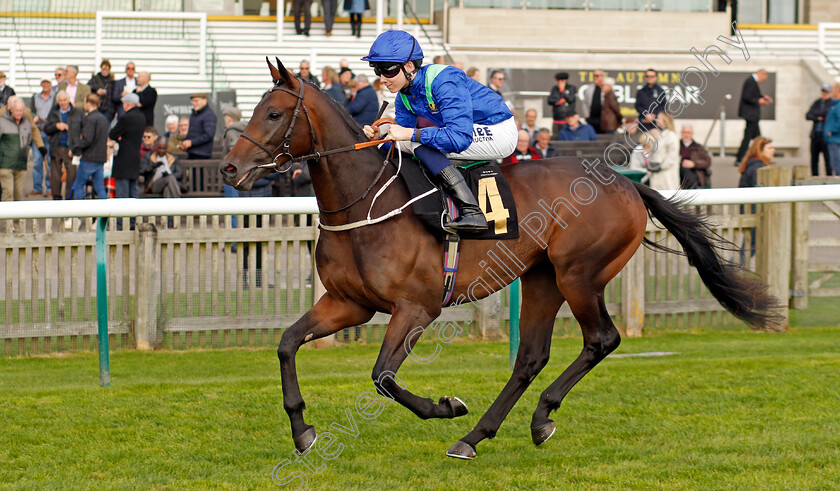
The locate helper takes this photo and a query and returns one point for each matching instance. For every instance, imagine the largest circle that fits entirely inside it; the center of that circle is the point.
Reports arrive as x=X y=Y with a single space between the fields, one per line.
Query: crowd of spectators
x=63 y=126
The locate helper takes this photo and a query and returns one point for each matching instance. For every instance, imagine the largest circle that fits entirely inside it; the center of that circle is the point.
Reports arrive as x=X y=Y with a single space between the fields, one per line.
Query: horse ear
x=286 y=75
x=275 y=73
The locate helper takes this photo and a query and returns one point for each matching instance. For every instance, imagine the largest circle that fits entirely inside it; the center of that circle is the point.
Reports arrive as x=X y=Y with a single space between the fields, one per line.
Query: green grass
x=734 y=409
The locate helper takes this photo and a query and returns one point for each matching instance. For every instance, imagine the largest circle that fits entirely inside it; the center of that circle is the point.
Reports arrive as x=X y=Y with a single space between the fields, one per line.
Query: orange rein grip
x=375 y=125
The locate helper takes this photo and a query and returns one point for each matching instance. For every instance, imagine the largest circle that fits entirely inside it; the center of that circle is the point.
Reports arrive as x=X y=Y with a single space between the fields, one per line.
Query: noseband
x=283 y=149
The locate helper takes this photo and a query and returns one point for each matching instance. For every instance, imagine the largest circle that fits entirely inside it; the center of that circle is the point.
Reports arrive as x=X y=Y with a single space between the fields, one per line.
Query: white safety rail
x=128 y=207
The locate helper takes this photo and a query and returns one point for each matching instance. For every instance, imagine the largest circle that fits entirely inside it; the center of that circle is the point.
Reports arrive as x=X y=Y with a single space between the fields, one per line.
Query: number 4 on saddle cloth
x=495 y=199
x=487 y=183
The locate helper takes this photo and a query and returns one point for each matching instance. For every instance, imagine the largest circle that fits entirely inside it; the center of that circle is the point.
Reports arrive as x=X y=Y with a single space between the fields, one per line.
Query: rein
x=316 y=155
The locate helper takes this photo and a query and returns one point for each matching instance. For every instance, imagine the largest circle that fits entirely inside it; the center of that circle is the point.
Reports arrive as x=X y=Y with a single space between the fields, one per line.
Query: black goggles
x=389 y=70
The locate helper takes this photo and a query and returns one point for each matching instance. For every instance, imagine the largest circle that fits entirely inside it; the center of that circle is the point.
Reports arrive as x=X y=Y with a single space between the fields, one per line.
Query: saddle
x=487 y=183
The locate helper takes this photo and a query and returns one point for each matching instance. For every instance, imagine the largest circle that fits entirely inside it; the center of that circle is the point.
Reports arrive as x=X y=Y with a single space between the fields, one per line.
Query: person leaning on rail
x=472 y=123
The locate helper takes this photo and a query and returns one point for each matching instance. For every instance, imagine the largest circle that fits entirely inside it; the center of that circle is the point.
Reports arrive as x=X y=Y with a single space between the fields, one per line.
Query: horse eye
x=274 y=115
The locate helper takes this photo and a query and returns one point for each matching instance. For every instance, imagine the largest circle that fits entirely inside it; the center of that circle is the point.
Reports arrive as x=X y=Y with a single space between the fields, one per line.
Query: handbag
x=653 y=167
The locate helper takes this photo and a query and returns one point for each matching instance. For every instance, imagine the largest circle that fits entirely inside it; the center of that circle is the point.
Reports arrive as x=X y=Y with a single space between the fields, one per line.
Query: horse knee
x=529 y=366
x=286 y=349
x=386 y=382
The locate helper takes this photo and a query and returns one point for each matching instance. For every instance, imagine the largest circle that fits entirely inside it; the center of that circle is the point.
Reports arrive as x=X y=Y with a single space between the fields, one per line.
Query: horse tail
x=737 y=290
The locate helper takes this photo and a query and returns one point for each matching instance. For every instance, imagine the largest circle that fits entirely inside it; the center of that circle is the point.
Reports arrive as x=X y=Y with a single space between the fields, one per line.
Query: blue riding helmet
x=395 y=47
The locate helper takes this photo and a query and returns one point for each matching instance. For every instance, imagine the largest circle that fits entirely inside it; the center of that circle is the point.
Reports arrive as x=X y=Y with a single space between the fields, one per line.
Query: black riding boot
x=471 y=219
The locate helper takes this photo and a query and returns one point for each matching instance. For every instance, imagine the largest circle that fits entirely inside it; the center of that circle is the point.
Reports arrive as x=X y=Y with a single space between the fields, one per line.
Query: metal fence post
x=102 y=303
x=146 y=288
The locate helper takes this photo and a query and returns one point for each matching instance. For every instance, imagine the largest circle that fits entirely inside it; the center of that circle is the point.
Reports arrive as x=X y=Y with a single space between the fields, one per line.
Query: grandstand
x=171 y=50
x=189 y=52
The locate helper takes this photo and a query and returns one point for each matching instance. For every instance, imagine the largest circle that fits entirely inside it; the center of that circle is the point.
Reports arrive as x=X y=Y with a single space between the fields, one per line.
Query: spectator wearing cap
x=363 y=104
x=128 y=132
x=234 y=126
x=75 y=89
x=64 y=127
x=123 y=87
x=148 y=97
x=199 y=141
x=562 y=101
x=41 y=105
x=817 y=113
x=5 y=90
x=345 y=75
x=102 y=84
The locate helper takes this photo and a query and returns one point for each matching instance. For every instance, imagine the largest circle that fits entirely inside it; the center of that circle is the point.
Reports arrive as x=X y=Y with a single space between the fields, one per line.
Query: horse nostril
x=229 y=169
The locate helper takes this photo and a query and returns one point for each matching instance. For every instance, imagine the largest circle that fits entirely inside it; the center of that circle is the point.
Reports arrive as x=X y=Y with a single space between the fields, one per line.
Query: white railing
x=261 y=206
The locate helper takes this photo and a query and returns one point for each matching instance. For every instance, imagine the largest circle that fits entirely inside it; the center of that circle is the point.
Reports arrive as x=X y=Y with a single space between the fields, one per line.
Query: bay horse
x=583 y=224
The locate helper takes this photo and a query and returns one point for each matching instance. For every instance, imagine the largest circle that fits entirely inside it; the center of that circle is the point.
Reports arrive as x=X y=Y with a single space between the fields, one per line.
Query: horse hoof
x=541 y=433
x=461 y=450
x=304 y=441
x=456 y=406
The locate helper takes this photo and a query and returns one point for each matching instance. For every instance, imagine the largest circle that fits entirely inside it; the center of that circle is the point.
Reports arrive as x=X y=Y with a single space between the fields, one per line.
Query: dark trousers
x=305 y=7
x=356 y=24
x=329 y=9
x=818 y=146
x=750 y=131
x=58 y=162
x=556 y=128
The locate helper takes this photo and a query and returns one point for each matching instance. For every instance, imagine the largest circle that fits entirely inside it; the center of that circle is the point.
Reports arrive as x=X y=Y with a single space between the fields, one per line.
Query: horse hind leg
x=407 y=323
x=540 y=302
x=600 y=338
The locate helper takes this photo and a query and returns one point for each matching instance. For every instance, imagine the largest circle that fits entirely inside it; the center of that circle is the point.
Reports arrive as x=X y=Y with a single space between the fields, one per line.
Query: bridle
x=283 y=148
x=287 y=138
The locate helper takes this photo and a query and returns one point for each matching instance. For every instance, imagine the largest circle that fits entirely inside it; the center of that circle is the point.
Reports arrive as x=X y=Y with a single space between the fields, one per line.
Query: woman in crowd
x=664 y=166
x=610 y=112
x=760 y=154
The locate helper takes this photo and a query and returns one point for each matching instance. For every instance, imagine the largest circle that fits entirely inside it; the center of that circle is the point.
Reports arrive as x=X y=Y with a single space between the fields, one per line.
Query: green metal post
x=514 y=321
x=102 y=302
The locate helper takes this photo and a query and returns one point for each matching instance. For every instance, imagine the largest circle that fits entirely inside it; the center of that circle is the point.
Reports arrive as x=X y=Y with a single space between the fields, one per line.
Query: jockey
x=471 y=121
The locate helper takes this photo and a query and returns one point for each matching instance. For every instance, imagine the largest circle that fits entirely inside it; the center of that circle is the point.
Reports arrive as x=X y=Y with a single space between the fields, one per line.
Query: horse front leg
x=407 y=323
x=326 y=317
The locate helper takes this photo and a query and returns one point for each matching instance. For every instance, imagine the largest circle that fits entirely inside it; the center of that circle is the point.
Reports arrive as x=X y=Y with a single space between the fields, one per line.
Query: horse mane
x=351 y=123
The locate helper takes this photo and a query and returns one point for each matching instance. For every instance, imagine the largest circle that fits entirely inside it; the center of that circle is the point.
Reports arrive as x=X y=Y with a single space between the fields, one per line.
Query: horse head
x=277 y=131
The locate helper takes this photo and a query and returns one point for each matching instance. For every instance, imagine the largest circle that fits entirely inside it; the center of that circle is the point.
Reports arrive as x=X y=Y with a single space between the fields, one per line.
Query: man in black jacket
x=562 y=101
x=64 y=127
x=129 y=134
x=650 y=100
x=148 y=97
x=750 y=110
x=92 y=149
x=817 y=113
